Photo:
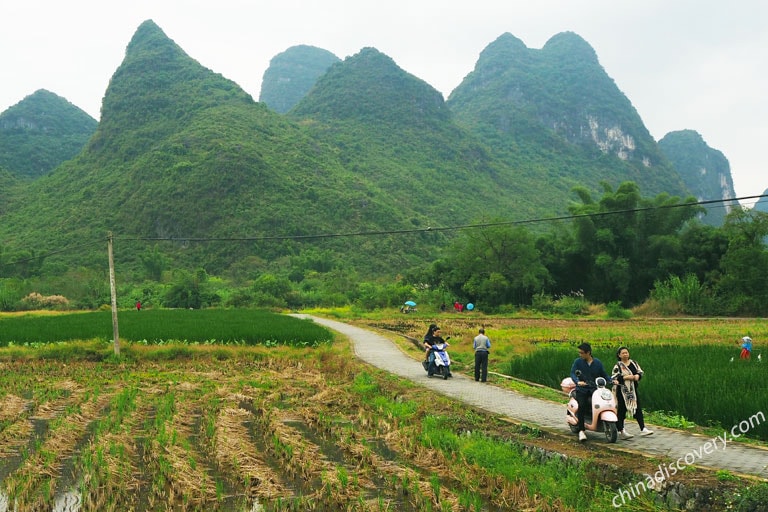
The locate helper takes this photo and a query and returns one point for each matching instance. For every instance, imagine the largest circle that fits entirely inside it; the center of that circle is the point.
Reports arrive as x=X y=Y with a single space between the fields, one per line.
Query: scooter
x=442 y=362
x=602 y=416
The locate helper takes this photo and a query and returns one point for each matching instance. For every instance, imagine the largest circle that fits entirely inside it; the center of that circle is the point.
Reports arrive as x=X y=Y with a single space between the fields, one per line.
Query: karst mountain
x=354 y=158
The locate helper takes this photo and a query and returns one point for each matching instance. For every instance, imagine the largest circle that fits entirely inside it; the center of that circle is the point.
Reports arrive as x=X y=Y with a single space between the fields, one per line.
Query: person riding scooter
x=603 y=415
x=440 y=362
x=584 y=373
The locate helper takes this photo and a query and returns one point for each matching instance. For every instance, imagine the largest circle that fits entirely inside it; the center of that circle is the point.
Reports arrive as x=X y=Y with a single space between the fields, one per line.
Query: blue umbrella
x=410 y=303
x=470 y=306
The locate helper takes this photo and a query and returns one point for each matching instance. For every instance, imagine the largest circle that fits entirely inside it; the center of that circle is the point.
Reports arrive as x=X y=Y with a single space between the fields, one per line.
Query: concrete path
x=675 y=449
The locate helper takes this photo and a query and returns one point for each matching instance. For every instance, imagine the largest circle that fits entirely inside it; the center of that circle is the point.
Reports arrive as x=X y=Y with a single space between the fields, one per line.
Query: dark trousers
x=585 y=403
x=481 y=365
x=621 y=410
x=431 y=367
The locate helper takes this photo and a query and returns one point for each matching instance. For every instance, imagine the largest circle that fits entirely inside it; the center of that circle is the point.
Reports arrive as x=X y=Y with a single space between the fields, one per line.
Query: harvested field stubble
x=263 y=429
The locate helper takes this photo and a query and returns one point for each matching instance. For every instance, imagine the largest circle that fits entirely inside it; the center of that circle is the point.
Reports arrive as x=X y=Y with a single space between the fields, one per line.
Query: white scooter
x=602 y=416
x=442 y=364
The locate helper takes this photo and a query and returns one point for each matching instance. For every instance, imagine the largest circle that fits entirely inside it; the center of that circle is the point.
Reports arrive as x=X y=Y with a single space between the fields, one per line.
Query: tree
x=743 y=287
x=23 y=264
x=624 y=243
x=190 y=291
x=273 y=286
x=493 y=266
x=155 y=262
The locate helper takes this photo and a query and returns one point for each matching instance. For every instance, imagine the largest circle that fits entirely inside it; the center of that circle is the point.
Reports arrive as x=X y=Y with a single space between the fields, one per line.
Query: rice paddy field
x=693 y=374
x=221 y=412
x=699 y=382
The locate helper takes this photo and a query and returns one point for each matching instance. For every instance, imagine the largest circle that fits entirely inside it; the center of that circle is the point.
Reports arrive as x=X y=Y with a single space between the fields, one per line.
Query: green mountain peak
x=506 y=47
x=182 y=153
x=369 y=87
x=292 y=74
x=705 y=171
x=570 y=46
x=157 y=90
x=560 y=101
x=40 y=132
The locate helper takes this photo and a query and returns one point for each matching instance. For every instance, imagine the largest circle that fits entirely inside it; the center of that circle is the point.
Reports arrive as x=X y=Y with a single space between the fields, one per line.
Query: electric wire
x=440 y=228
x=712 y=203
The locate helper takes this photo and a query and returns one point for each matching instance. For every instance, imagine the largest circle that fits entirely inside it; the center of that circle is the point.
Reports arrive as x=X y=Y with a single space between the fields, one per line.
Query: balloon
x=470 y=306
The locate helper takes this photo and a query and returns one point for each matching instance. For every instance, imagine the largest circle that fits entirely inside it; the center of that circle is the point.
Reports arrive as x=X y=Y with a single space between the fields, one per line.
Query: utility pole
x=113 y=293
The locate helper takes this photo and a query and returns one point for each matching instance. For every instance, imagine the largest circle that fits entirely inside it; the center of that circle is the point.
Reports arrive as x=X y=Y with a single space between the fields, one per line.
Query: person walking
x=482 y=346
x=584 y=371
x=626 y=375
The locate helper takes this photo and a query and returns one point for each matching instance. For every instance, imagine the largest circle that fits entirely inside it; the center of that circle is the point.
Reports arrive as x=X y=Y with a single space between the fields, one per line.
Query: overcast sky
x=684 y=64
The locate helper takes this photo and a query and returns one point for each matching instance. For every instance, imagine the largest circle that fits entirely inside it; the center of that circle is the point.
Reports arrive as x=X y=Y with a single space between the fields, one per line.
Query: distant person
x=482 y=346
x=746 y=347
x=443 y=307
x=584 y=371
x=626 y=375
x=138 y=305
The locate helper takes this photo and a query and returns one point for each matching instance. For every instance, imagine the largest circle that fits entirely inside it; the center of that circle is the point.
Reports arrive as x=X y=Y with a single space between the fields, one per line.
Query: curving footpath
x=675 y=449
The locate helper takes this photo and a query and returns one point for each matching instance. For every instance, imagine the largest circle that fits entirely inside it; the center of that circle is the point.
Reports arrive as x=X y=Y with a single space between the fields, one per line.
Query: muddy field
x=271 y=434
x=254 y=430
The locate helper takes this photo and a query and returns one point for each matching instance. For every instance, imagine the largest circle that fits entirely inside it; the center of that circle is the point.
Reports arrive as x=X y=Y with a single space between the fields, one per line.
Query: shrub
x=542 y=303
x=753 y=499
x=615 y=310
x=37 y=301
x=573 y=303
x=686 y=295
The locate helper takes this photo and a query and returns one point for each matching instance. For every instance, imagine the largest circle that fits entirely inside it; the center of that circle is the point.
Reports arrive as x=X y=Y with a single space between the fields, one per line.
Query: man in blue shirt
x=584 y=371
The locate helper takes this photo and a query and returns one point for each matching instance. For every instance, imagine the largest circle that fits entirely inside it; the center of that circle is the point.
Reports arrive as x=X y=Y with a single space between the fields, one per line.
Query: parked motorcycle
x=602 y=415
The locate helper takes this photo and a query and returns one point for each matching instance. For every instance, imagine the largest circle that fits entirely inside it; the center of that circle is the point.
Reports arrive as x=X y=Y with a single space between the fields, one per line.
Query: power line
x=427 y=229
x=52 y=253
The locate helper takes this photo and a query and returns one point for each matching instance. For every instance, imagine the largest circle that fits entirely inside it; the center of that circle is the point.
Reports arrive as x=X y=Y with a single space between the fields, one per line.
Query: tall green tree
x=625 y=242
x=190 y=290
x=743 y=287
x=154 y=262
x=493 y=266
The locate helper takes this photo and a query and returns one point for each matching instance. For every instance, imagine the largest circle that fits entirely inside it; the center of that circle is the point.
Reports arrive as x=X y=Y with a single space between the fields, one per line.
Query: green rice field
x=222 y=326
x=706 y=384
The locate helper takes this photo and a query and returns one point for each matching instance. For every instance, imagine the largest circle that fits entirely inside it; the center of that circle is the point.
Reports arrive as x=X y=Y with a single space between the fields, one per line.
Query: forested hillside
x=704 y=170
x=183 y=153
x=537 y=178
x=40 y=132
x=396 y=131
x=556 y=114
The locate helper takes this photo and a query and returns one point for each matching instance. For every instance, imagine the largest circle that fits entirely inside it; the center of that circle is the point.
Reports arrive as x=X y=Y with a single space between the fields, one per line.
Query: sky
x=684 y=64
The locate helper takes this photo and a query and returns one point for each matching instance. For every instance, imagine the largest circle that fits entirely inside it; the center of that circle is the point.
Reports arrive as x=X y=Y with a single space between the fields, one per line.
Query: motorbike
x=601 y=417
x=442 y=361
